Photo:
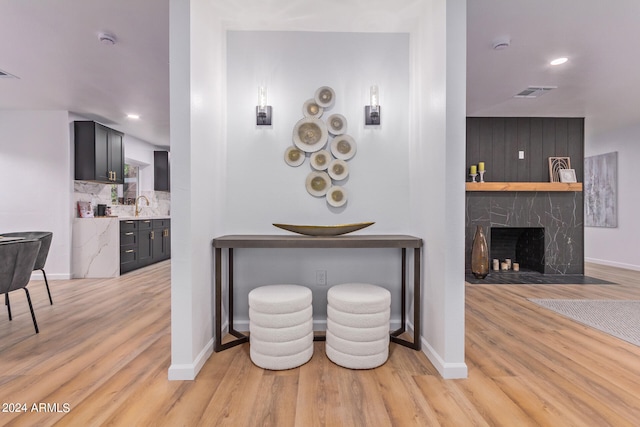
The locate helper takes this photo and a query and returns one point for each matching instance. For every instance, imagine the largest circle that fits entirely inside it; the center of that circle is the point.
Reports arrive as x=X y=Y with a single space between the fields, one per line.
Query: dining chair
x=17 y=259
x=45 y=238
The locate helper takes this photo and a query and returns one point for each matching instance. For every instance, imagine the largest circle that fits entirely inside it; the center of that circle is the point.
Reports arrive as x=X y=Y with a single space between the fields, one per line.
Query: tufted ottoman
x=280 y=326
x=358 y=325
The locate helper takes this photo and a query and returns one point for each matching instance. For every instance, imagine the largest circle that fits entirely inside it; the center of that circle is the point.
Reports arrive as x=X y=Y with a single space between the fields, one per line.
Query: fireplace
x=556 y=215
x=524 y=245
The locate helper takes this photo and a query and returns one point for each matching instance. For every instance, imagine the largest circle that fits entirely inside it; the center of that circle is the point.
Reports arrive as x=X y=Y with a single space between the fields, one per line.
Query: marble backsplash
x=561 y=215
x=96 y=193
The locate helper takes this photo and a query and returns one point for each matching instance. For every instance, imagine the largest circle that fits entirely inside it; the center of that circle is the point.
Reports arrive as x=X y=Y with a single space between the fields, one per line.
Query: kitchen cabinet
x=99 y=153
x=128 y=246
x=161 y=170
x=144 y=242
x=161 y=239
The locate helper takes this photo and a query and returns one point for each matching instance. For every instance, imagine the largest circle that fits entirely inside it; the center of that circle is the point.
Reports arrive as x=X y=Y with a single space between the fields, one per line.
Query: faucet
x=137 y=200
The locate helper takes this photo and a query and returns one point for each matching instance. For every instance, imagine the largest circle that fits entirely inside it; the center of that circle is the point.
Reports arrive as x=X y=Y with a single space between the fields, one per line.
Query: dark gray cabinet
x=128 y=246
x=99 y=153
x=161 y=170
x=161 y=239
x=144 y=242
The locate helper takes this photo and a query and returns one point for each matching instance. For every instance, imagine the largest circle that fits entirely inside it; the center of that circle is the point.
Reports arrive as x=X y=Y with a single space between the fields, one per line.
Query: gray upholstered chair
x=45 y=238
x=17 y=259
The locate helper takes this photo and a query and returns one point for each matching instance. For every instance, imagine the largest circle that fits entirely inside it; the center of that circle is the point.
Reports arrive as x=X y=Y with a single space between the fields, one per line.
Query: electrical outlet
x=521 y=155
x=321 y=277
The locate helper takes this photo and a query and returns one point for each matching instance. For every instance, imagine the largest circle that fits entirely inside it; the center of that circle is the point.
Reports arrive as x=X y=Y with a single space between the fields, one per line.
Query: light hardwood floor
x=104 y=350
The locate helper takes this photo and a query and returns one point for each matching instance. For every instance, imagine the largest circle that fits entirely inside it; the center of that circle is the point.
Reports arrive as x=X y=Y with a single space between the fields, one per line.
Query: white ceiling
x=53 y=47
x=600 y=38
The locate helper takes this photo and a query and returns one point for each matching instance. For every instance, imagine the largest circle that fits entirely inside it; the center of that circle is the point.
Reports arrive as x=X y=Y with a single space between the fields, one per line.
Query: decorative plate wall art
x=320 y=160
x=324 y=140
x=318 y=183
x=293 y=156
x=310 y=134
x=337 y=124
x=325 y=97
x=343 y=147
x=338 y=170
x=312 y=109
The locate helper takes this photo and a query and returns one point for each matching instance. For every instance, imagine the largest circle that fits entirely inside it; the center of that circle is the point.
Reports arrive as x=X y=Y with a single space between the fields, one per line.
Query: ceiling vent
x=534 y=91
x=5 y=75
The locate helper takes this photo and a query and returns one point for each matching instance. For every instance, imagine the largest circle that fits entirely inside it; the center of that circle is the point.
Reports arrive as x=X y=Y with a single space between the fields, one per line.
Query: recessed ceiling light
x=559 y=61
x=133 y=116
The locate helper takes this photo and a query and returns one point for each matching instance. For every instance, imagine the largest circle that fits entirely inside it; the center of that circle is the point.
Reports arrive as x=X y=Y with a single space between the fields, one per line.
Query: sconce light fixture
x=263 y=111
x=372 y=111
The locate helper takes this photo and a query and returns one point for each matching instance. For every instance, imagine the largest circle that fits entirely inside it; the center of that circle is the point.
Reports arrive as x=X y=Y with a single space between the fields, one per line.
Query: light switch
x=520 y=155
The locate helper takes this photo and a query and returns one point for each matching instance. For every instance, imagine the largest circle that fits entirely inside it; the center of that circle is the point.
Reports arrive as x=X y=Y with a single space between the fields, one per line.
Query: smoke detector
x=501 y=43
x=107 y=39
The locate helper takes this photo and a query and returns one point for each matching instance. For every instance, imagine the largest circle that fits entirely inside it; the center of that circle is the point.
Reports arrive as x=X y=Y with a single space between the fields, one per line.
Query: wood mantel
x=524 y=186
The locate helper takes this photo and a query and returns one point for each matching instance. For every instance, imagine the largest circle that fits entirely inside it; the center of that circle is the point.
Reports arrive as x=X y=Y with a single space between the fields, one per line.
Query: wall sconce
x=263 y=111
x=372 y=111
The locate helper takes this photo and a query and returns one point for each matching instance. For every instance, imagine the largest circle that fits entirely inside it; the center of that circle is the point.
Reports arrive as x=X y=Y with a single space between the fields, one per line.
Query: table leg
x=417 y=299
x=218 y=306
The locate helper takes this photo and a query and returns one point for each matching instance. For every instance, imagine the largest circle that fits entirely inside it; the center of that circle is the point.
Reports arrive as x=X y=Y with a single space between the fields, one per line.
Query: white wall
x=617 y=246
x=36 y=173
x=437 y=193
x=197 y=147
x=203 y=183
x=263 y=189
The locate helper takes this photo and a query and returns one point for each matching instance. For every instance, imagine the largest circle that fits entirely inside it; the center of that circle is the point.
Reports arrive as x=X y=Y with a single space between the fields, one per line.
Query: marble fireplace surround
x=561 y=215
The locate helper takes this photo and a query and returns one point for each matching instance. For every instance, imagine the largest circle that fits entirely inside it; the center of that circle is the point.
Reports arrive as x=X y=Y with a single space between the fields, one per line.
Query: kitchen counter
x=95 y=248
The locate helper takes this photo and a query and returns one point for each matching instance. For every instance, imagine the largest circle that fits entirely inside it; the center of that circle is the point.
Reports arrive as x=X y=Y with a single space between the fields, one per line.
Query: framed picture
x=567 y=175
x=601 y=190
x=555 y=165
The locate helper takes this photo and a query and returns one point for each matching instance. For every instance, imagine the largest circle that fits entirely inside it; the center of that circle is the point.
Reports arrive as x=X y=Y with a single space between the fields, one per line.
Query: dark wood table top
x=286 y=241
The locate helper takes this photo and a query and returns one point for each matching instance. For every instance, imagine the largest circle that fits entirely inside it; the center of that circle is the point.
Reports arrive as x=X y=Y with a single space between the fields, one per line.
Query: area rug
x=620 y=318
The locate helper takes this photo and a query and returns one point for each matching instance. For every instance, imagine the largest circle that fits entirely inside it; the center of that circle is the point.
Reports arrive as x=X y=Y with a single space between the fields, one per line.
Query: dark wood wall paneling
x=497 y=141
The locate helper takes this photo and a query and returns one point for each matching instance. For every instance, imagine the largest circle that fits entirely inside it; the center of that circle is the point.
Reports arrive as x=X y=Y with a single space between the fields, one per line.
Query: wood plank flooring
x=104 y=350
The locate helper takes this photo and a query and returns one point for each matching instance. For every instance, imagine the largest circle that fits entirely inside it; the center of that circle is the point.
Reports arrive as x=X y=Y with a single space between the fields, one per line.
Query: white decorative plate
x=343 y=147
x=337 y=124
x=338 y=169
x=310 y=134
x=336 y=196
x=320 y=160
x=311 y=109
x=318 y=183
x=293 y=156
x=325 y=97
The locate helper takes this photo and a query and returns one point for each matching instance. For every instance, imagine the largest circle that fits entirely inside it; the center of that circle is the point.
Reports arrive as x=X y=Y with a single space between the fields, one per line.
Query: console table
x=401 y=242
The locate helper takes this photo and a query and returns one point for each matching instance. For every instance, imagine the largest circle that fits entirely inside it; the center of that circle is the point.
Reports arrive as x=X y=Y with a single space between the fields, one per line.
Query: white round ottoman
x=280 y=326
x=358 y=325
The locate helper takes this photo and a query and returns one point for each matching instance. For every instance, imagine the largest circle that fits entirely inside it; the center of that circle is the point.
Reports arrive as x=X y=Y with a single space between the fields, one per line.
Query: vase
x=479 y=255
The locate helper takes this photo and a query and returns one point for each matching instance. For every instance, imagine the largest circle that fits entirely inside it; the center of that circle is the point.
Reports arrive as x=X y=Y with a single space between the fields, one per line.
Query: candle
x=516 y=266
x=473 y=170
x=496 y=264
x=481 y=166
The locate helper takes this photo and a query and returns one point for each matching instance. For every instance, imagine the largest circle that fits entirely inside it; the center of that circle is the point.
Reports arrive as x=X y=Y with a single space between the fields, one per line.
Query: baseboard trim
x=448 y=371
x=613 y=264
x=187 y=372
x=37 y=275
